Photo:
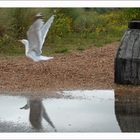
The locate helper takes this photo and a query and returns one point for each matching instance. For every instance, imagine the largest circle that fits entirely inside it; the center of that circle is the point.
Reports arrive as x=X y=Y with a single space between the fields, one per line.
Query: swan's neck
x=26 y=47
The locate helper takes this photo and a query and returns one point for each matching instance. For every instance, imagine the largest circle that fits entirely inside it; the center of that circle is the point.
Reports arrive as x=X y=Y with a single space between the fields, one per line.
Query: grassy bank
x=73 y=29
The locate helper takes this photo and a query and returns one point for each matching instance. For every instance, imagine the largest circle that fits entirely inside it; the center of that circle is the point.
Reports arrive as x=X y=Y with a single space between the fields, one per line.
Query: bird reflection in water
x=37 y=112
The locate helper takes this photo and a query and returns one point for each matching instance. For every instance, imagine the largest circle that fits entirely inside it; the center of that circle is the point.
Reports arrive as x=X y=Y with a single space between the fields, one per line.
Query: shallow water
x=76 y=111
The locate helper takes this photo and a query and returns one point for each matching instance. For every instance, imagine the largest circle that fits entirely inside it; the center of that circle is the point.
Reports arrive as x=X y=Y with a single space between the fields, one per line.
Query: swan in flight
x=35 y=38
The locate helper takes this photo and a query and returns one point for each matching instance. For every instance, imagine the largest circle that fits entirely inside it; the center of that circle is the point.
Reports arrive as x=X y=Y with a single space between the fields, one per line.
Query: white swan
x=36 y=37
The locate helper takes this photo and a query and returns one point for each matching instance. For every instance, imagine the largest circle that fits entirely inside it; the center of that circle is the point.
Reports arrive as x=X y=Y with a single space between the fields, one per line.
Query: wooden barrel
x=127 y=60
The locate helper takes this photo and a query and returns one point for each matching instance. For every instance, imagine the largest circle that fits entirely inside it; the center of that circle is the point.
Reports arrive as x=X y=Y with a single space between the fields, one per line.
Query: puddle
x=76 y=111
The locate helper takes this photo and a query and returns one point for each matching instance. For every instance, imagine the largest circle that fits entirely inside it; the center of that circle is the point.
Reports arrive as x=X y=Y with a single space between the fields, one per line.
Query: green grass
x=69 y=32
x=69 y=43
x=61 y=50
x=80 y=49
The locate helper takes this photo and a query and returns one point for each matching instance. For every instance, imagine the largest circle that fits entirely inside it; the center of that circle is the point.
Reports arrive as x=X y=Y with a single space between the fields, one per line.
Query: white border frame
x=67 y=3
x=70 y=4
x=62 y=136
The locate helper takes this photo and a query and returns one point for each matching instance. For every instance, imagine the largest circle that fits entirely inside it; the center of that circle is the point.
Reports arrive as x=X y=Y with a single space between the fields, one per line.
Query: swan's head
x=24 y=41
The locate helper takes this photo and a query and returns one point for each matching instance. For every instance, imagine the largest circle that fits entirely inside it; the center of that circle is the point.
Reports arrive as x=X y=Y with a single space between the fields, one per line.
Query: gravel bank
x=89 y=69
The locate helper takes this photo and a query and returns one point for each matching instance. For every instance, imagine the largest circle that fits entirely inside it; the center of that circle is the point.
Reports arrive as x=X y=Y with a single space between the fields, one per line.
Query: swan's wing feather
x=45 y=28
x=34 y=36
x=47 y=118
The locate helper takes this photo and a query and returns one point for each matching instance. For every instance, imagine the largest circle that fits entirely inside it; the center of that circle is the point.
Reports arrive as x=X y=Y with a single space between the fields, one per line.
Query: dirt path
x=90 y=69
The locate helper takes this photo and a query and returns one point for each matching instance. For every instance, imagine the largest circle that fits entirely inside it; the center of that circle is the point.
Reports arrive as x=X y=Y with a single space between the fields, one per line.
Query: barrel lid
x=134 y=24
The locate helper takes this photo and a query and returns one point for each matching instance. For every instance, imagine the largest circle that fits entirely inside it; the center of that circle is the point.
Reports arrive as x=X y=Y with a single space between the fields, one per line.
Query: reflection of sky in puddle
x=86 y=111
x=90 y=94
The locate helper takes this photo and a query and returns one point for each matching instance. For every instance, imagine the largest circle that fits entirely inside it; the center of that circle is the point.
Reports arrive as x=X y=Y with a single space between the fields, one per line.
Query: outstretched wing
x=46 y=117
x=45 y=28
x=34 y=36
